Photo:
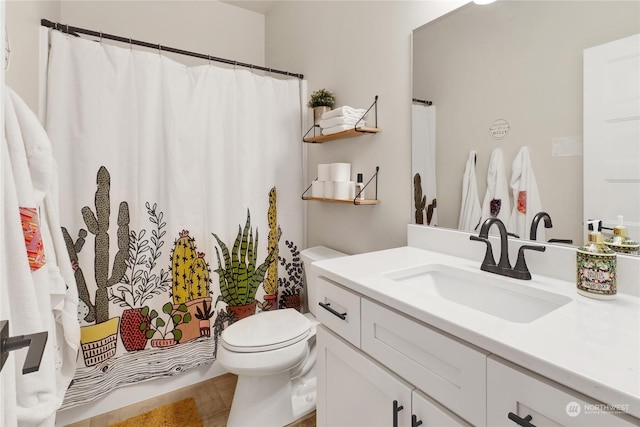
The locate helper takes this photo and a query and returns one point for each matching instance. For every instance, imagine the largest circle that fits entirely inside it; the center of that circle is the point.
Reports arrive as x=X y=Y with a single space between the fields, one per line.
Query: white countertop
x=588 y=345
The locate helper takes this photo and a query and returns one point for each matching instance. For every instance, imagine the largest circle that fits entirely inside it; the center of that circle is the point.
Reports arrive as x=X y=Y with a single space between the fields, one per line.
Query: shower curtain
x=179 y=202
x=423 y=163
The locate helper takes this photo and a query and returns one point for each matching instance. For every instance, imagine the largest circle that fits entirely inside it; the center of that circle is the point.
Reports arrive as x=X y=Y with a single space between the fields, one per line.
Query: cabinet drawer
x=512 y=391
x=449 y=371
x=339 y=310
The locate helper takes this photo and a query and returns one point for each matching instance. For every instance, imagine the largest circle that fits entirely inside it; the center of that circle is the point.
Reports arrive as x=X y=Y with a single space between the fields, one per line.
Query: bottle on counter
x=596 y=268
x=359 y=188
x=620 y=241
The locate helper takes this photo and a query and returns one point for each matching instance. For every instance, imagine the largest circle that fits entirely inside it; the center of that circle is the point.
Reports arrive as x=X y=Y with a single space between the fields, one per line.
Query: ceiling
x=254 y=5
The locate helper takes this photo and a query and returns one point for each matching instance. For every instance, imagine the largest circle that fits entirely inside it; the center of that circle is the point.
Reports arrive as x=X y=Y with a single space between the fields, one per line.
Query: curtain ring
x=209 y=57
x=100 y=37
x=130 y=44
x=160 y=49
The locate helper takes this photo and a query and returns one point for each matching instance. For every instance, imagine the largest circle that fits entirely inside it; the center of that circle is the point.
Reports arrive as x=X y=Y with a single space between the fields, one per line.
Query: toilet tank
x=317 y=253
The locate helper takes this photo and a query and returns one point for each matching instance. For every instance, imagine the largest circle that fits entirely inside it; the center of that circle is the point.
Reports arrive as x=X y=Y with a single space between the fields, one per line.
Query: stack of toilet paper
x=334 y=182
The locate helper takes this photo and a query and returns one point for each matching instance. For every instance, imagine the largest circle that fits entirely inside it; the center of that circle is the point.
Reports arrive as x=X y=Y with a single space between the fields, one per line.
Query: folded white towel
x=344 y=111
x=470 y=211
x=526 y=198
x=341 y=120
x=339 y=128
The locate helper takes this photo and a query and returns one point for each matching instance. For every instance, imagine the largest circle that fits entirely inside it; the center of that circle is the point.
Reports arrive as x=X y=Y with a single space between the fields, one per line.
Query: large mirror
x=508 y=75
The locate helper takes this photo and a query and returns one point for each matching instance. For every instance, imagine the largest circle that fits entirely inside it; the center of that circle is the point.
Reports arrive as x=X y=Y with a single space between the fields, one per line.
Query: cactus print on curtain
x=180 y=204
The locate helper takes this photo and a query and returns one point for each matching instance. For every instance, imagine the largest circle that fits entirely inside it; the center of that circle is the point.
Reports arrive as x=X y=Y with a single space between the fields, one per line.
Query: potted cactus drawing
x=99 y=340
x=141 y=282
x=168 y=330
x=239 y=277
x=204 y=316
x=190 y=277
x=270 y=284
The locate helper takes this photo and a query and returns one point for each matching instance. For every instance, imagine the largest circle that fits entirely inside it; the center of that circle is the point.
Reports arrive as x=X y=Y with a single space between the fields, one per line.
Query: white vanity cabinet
x=516 y=397
x=379 y=367
x=354 y=390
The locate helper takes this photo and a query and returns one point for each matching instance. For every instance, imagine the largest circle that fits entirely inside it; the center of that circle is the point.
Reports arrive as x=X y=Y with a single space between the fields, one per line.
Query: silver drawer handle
x=327 y=307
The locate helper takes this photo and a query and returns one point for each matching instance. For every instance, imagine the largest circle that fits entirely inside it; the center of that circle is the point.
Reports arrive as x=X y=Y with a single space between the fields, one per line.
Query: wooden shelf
x=340 y=135
x=350 y=201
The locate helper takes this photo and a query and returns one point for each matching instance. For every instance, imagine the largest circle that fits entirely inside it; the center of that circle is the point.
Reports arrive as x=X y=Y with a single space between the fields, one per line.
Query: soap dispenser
x=596 y=267
x=620 y=242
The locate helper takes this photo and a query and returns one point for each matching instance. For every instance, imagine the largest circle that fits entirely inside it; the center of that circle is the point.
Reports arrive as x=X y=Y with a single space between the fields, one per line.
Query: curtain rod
x=75 y=30
x=421 y=101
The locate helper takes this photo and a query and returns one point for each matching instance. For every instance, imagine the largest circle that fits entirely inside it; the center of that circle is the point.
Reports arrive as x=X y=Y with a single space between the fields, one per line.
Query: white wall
x=23 y=23
x=357 y=49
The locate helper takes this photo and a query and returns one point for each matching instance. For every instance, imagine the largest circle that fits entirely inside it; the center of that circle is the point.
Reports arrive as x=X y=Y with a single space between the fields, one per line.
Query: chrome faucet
x=520 y=271
x=536 y=220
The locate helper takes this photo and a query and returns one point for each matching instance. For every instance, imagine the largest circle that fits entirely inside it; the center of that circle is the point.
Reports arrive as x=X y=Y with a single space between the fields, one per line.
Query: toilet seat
x=267 y=331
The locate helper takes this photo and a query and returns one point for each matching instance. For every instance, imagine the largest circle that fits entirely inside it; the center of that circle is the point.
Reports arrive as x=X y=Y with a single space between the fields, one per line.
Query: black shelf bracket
x=374 y=105
x=375 y=175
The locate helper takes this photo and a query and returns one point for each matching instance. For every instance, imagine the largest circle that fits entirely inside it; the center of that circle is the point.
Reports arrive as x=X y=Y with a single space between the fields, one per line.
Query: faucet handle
x=521 y=271
x=489 y=260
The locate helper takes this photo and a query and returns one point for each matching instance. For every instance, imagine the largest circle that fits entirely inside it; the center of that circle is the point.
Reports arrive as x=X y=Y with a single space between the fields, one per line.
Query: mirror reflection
x=506 y=85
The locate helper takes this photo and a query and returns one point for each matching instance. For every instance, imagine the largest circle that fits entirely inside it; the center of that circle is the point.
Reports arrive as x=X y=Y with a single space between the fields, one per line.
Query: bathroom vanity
x=413 y=336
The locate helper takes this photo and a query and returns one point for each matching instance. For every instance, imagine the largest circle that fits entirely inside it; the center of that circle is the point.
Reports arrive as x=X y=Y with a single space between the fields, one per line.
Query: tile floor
x=213 y=398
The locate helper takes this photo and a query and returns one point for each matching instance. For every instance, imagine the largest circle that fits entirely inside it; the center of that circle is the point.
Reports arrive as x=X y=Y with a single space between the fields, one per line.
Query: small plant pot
x=205 y=328
x=99 y=342
x=318 y=112
x=161 y=343
x=292 y=301
x=191 y=330
x=270 y=302
x=133 y=338
x=242 y=311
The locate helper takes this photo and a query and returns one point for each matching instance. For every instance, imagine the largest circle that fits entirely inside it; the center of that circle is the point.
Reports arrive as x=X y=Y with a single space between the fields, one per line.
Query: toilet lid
x=268 y=330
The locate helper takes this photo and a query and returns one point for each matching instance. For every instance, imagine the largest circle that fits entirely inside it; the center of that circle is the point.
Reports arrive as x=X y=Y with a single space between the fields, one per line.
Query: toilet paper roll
x=317 y=189
x=329 y=190
x=344 y=190
x=324 y=172
x=340 y=171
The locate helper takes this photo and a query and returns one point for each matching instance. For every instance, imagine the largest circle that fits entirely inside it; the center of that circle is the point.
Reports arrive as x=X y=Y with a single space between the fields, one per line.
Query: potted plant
x=99 y=338
x=140 y=282
x=240 y=278
x=158 y=325
x=292 y=284
x=204 y=316
x=190 y=281
x=321 y=101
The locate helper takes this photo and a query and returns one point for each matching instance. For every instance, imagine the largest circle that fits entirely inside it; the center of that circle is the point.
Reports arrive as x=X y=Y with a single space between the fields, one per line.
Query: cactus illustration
x=420 y=200
x=239 y=278
x=271 y=281
x=183 y=255
x=74 y=248
x=98 y=224
x=199 y=278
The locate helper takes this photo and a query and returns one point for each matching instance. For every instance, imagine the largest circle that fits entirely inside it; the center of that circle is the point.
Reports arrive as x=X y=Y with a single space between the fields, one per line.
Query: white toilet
x=273 y=353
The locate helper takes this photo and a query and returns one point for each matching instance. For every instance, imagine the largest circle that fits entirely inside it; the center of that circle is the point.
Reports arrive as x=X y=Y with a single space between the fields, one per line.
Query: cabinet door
x=518 y=398
x=428 y=413
x=446 y=369
x=353 y=390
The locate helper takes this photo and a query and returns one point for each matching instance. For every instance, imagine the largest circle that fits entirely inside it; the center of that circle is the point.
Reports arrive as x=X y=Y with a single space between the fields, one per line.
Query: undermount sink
x=491 y=294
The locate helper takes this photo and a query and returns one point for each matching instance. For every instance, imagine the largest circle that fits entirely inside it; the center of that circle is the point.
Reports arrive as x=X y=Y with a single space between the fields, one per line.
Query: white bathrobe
x=44 y=299
x=526 y=198
x=470 y=211
x=496 y=199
